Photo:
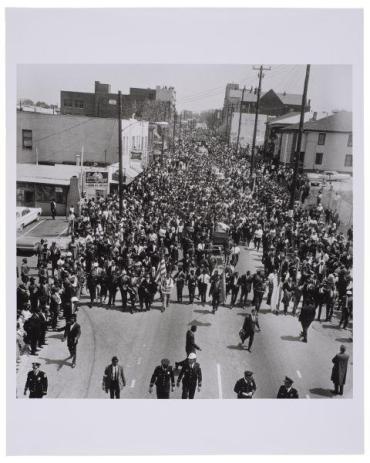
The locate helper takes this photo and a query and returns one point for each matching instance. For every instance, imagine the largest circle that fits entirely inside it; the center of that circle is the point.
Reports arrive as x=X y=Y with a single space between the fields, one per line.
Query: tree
x=26 y=101
x=42 y=104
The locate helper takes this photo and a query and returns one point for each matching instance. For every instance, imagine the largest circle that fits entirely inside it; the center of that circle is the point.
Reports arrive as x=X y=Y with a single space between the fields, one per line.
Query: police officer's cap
x=36 y=363
x=165 y=362
x=288 y=380
x=248 y=373
x=192 y=356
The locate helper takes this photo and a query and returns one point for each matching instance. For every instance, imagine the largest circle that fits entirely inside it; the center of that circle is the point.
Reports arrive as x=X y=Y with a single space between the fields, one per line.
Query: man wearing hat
x=339 y=371
x=190 y=374
x=114 y=379
x=72 y=333
x=245 y=387
x=37 y=382
x=286 y=391
x=164 y=380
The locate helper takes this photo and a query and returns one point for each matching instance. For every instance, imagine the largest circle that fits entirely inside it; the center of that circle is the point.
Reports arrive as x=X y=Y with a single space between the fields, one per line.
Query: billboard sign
x=136 y=155
x=96 y=178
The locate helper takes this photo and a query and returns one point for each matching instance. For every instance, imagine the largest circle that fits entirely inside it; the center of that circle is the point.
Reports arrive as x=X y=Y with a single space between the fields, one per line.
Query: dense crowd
x=165 y=238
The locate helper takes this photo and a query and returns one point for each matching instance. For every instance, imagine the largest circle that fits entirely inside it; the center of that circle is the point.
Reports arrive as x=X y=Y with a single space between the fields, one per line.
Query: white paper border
x=263 y=430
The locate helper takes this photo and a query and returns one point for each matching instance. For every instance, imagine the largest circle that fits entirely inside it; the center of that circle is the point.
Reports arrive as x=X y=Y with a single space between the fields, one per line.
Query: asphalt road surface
x=141 y=340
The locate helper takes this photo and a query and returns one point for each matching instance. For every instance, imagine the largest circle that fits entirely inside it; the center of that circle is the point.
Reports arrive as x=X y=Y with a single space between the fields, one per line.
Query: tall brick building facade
x=141 y=102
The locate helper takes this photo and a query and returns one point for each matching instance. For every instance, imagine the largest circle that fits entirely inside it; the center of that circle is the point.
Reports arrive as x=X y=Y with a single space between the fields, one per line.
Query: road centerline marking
x=299 y=374
x=32 y=228
x=139 y=360
x=63 y=231
x=219 y=381
x=133 y=383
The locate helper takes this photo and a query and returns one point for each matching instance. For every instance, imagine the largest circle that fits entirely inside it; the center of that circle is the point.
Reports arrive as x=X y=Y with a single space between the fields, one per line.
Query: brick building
x=146 y=103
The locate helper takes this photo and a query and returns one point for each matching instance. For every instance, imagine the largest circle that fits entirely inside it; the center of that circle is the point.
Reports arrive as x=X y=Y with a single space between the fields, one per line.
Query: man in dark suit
x=190 y=345
x=339 y=372
x=245 y=387
x=114 y=379
x=249 y=327
x=72 y=333
x=190 y=374
x=286 y=391
x=306 y=317
x=164 y=380
x=53 y=208
x=37 y=382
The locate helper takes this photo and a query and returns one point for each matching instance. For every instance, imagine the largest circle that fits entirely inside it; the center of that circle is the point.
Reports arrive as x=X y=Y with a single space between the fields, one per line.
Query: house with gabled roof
x=326 y=143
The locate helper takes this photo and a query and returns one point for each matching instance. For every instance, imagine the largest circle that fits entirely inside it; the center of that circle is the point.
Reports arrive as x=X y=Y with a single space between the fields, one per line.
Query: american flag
x=161 y=270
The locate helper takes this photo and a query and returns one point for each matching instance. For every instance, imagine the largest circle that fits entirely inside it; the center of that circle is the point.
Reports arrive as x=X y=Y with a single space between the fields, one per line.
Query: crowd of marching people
x=164 y=240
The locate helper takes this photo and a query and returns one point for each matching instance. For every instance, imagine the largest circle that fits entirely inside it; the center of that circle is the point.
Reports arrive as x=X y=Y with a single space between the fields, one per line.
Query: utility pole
x=299 y=141
x=240 y=120
x=174 y=131
x=230 y=113
x=120 y=190
x=260 y=75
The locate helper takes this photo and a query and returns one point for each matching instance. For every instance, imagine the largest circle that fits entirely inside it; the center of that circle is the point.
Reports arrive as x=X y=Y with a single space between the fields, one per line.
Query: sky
x=198 y=87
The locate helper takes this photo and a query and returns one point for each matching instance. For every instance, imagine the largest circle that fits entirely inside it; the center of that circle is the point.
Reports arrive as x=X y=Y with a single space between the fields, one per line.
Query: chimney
x=284 y=94
x=314 y=117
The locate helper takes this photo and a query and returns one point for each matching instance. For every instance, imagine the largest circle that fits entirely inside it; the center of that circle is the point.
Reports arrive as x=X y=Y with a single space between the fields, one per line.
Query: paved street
x=142 y=339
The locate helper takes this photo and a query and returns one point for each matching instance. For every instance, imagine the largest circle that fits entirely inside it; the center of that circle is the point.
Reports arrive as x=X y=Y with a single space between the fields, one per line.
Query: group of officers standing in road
x=164 y=237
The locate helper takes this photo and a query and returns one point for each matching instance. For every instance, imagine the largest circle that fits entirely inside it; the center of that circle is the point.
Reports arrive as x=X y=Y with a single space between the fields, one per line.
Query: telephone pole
x=260 y=75
x=299 y=141
x=174 y=131
x=229 y=122
x=120 y=190
x=240 y=120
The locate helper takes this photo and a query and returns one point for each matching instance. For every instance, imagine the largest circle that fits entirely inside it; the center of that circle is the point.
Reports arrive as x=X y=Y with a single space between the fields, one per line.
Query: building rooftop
x=294 y=117
x=59 y=174
x=337 y=122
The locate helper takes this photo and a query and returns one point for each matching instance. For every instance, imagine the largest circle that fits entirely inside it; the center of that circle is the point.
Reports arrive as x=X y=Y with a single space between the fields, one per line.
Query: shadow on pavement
x=202 y=311
x=237 y=347
x=332 y=327
x=199 y=323
x=344 y=339
x=290 y=338
x=264 y=311
x=56 y=336
x=322 y=391
x=60 y=363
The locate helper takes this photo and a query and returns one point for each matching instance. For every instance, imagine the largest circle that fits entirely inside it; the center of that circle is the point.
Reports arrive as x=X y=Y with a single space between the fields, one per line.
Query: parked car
x=27 y=245
x=332 y=176
x=27 y=215
x=315 y=179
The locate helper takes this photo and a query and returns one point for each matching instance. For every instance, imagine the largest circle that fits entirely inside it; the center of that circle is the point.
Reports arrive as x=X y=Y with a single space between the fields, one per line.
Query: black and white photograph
x=184 y=215
x=179 y=239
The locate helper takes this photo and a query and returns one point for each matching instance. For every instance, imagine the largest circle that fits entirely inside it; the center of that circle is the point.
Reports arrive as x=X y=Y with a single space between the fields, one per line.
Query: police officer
x=164 y=380
x=286 y=391
x=191 y=374
x=37 y=382
x=245 y=387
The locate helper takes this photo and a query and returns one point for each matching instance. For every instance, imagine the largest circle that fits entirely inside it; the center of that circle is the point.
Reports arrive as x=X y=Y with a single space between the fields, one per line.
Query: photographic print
x=184 y=231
